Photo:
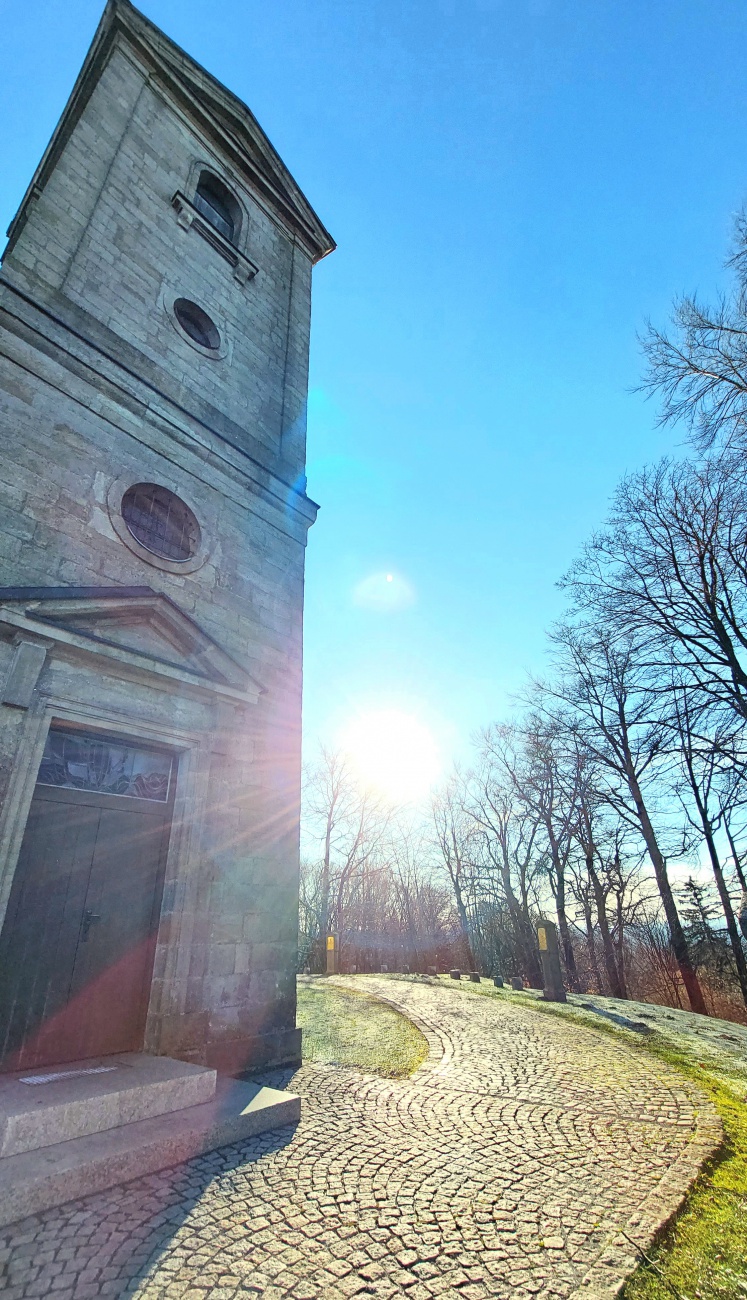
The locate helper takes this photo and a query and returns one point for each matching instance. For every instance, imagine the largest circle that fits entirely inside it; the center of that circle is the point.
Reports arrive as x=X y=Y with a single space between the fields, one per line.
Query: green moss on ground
x=342 y=1027
x=703 y=1255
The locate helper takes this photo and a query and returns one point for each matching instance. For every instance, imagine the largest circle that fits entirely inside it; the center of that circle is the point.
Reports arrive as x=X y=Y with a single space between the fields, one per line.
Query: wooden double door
x=78 y=940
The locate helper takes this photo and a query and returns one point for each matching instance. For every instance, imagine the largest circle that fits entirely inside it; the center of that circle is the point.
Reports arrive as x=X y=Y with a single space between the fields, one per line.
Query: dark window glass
x=215 y=201
x=161 y=521
x=196 y=323
x=78 y=762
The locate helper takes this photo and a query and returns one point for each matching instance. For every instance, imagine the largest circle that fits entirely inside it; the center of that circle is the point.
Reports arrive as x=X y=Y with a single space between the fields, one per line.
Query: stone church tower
x=154 y=336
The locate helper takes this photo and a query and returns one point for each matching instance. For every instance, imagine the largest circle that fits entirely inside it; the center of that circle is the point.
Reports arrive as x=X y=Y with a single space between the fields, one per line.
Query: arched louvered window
x=217 y=204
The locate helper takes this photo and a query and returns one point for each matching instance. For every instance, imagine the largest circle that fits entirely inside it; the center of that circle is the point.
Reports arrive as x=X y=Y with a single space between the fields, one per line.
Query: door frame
x=67 y=797
x=183 y=860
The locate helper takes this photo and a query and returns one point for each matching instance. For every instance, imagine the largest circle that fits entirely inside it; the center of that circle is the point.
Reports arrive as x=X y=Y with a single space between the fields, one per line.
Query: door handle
x=89 y=918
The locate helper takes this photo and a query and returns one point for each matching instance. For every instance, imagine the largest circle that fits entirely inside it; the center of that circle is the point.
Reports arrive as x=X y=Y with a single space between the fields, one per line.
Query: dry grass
x=341 y=1027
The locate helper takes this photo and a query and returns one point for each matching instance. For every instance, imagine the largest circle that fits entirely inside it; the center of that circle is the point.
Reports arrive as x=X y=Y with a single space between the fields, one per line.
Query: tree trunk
x=566 y=944
x=620 y=945
x=324 y=899
x=676 y=933
x=723 y=893
x=519 y=913
x=592 y=947
x=610 y=962
x=737 y=864
x=462 y=910
x=741 y=878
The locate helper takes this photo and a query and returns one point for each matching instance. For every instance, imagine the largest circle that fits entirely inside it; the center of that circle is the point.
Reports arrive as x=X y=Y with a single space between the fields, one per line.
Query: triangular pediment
x=200 y=95
x=140 y=623
x=241 y=124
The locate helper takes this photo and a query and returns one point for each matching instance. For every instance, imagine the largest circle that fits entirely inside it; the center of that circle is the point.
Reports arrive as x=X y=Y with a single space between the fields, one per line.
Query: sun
x=392 y=753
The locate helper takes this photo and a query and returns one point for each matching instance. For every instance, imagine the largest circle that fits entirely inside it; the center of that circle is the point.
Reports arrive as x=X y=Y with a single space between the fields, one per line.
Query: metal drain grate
x=66 y=1074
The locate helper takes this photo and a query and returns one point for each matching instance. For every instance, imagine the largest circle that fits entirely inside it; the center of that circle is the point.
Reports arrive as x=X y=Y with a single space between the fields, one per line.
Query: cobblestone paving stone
x=505 y=1166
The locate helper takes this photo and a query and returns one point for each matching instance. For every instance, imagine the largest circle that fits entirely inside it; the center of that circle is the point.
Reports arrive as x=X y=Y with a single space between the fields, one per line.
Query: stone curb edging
x=616 y=1260
x=440 y=1048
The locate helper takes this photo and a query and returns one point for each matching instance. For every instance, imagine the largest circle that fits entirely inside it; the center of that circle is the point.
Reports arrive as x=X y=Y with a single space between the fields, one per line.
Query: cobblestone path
x=506 y=1166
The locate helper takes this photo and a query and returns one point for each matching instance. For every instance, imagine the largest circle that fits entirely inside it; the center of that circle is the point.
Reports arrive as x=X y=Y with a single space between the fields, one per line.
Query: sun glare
x=393 y=754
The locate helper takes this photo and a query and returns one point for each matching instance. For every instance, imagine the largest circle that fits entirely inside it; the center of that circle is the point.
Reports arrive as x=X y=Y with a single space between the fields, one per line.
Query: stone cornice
x=103 y=361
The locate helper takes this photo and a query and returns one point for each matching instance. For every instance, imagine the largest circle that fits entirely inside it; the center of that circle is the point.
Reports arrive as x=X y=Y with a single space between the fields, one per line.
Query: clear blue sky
x=513 y=189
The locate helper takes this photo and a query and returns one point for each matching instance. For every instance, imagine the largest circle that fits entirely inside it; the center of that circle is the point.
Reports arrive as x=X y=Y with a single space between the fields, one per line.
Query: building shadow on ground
x=116 y=1243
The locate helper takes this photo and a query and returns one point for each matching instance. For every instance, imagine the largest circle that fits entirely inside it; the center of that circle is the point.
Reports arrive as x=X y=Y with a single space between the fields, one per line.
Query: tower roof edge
x=225 y=115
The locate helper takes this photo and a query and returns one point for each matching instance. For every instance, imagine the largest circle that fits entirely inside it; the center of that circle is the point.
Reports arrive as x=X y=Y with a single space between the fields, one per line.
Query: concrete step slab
x=64 y=1102
x=37 y=1180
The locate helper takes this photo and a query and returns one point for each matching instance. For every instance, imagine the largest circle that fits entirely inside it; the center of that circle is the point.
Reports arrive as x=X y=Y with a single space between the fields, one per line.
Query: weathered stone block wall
x=235 y=979
x=98 y=389
x=104 y=235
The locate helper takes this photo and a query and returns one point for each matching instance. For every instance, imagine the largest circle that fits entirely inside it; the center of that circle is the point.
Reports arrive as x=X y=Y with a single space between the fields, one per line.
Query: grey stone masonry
x=101 y=389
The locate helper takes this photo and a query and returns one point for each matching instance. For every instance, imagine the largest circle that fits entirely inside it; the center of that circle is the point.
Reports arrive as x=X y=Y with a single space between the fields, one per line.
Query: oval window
x=197 y=324
x=160 y=521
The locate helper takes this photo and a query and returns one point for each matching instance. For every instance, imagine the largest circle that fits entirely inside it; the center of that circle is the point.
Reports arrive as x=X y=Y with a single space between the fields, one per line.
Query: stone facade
x=101 y=388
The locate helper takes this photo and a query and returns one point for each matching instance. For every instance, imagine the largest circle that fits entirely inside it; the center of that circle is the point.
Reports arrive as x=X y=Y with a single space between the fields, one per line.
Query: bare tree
x=421 y=909
x=700 y=762
x=655 y=975
x=699 y=369
x=729 y=810
x=536 y=759
x=589 y=831
x=583 y=892
x=670 y=569
x=456 y=835
x=509 y=830
x=619 y=721
x=349 y=824
x=623 y=870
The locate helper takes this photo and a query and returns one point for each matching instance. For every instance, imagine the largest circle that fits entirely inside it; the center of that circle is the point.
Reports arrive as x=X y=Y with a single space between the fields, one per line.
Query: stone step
x=37 y=1180
x=64 y=1102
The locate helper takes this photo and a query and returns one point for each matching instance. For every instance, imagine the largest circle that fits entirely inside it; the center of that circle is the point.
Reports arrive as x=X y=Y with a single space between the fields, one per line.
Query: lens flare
x=385 y=593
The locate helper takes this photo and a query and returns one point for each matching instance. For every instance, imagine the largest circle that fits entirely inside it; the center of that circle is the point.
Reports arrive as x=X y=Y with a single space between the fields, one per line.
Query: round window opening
x=160 y=521
x=197 y=324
